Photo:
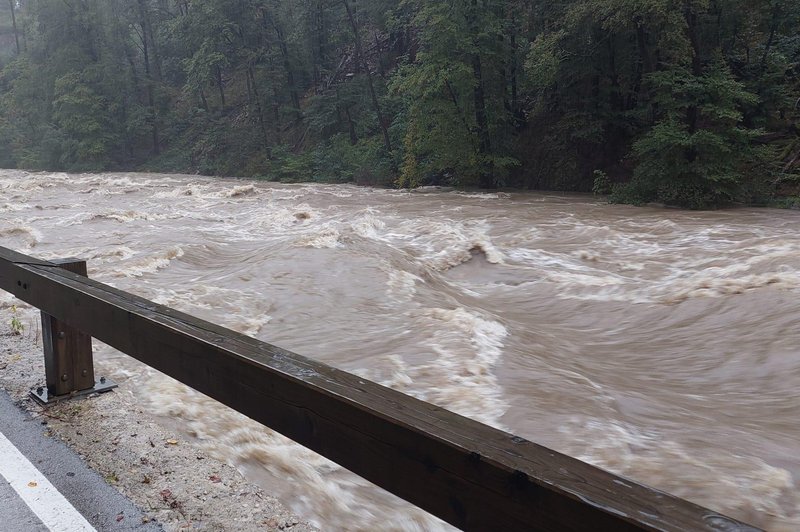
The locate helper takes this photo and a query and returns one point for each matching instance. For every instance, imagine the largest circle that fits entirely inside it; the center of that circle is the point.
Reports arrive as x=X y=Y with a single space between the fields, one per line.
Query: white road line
x=35 y=490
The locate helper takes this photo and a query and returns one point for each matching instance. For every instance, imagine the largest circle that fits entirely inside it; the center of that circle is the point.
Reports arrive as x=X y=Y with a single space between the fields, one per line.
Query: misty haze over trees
x=693 y=103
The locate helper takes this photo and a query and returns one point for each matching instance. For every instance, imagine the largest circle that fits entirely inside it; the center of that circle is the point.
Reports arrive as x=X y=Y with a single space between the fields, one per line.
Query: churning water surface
x=662 y=345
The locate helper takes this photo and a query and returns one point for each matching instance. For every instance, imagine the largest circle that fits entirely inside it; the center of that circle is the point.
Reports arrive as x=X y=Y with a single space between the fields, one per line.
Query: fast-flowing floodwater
x=663 y=345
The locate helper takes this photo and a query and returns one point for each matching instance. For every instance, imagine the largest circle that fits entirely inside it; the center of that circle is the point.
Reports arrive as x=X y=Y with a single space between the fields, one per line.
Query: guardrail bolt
x=39 y=390
x=84 y=373
x=102 y=380
x=64 y=377
x=61 y=335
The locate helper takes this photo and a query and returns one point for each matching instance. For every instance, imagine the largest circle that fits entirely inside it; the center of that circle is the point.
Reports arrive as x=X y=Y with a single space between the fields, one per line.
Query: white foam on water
x=323 y=236
x=481 y=195
x=21 y=237
x=93 y=256
x=112 y=253
x=704 y=285
x=74 y=219
x=15 y=207
x=744 y=487
x=22 y=185
x=114 y=215
x=336 y=191
x=444 y=244
x=401 y=285
x=222 y=305
x=130 y=216
x=460 y=376
x=194 y=191
x=151 y=263
x=666 y=275
x=287 y=196
x=238 y=191
x=368 y=225
x=470 y=387
x=279 y=220
x=318 y=488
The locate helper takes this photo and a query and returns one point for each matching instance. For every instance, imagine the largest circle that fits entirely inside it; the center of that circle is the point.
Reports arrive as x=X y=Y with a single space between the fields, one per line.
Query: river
x=660 y=344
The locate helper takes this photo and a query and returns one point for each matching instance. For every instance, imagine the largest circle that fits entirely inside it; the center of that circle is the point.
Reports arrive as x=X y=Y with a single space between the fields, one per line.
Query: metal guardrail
x=468 y=474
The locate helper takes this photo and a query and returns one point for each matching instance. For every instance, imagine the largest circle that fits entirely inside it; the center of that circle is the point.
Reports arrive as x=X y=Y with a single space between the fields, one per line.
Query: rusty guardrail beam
x=469 y=474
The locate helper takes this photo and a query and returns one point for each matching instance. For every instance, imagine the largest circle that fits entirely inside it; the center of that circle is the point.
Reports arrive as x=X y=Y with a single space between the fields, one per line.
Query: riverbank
x=174 y=483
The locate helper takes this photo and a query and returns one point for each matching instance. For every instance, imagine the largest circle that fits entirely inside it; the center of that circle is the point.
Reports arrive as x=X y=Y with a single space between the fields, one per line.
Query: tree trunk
x=275 y=102
x=772 y=28
x=454 y=99
x=154 y=46
x=692 y=112
x=486 y=179
x=643 y=66
x=14 y=24
x=220 y=86
x=351 y=127
x=318 y=47
x=515 y=107
x=484 y=141
x=251 y=76
x=381 y=70
x=150 y=95
x=287 y=64
x=615 y=98
x=361 y=59
x=697 y=67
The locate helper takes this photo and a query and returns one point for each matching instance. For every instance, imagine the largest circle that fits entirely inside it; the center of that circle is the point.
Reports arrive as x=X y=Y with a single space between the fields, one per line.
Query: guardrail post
x=68 y=361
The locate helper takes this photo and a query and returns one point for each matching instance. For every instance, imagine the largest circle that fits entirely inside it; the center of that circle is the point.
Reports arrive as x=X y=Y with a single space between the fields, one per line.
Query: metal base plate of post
x=42 y=396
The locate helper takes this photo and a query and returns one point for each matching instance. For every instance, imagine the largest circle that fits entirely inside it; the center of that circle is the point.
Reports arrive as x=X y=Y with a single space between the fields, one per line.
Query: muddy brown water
x=660 y=344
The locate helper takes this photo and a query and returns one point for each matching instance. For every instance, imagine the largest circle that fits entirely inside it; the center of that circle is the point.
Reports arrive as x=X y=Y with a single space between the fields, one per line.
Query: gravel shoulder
x=174 y=483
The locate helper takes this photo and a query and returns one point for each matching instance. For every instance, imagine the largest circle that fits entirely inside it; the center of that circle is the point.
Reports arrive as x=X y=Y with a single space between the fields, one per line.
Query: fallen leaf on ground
x=215 y=479
x=165 y=494
x=32 y=484
x=120 y=517
x=172 y=442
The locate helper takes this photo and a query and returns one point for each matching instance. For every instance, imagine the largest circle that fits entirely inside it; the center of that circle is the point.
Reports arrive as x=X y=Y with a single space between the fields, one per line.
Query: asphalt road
x=51 y=488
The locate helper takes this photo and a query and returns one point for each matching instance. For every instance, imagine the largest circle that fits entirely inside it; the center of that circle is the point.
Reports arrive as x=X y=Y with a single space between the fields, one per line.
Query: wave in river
x=20 y=237
x=317 y=487
x=150 y=263
x=764 y=495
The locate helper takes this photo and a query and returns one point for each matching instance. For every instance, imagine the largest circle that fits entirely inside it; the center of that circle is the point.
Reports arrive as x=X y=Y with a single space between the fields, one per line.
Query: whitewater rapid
x=659 y=344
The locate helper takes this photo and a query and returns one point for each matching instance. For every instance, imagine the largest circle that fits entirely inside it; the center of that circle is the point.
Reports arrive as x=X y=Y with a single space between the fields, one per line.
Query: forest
x=693 y=103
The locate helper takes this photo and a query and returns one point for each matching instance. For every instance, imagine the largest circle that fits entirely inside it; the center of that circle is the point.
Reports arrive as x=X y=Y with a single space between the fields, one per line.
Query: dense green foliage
x=693 y=103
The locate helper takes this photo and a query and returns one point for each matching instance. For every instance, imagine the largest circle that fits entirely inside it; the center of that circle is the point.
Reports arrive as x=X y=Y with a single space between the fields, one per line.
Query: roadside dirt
x=171 y=480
